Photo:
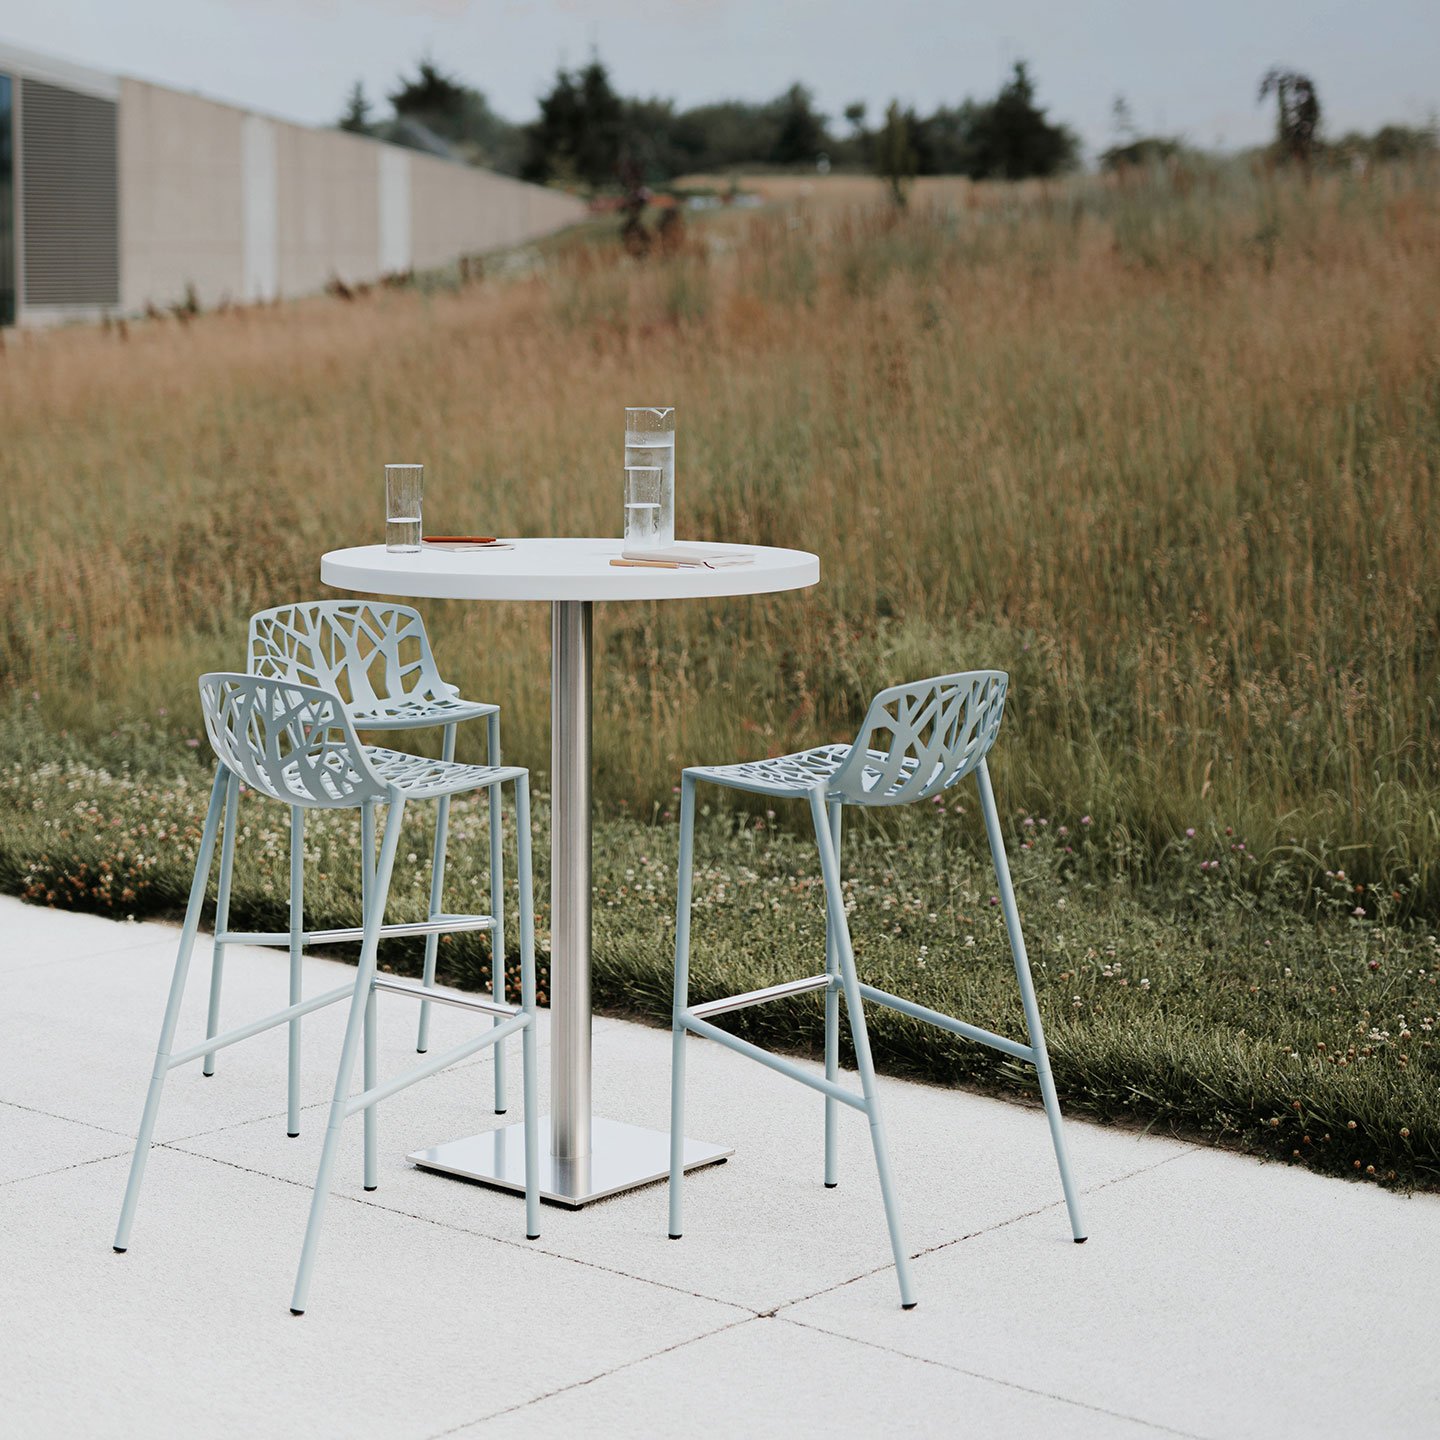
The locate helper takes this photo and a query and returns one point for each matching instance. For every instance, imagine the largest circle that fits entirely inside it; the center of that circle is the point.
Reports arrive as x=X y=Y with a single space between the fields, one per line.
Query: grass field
x=1166 y=450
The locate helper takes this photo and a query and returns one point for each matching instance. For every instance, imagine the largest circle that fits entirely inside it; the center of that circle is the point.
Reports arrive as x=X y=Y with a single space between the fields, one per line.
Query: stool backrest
x=292 y=742
x=366 y=651
x=920 y=739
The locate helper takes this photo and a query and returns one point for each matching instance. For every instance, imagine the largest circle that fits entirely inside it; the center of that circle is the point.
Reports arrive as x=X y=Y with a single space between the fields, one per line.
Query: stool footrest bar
x=760 y=997
x=440 y=925
x=256 y=1027
x=394 y=986
x=433 y=1066
x=788 y=1068
x=956 y=1027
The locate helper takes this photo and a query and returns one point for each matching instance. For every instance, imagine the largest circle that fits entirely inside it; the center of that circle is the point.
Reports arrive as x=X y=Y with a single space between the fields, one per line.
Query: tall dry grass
x=1166 y=450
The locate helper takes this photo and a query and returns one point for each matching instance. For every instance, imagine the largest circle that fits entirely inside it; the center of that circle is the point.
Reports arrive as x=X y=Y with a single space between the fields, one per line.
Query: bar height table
x=589 y=1157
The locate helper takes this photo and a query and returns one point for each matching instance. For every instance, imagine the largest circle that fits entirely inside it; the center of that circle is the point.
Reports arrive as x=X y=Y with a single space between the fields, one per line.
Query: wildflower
x=994 y=899
x=193 y=743
x=1029 y=822
x=1358 y=911
x=1190 y=832
x=1404 y=1132
x=1085 y=820
x=1350 y=1125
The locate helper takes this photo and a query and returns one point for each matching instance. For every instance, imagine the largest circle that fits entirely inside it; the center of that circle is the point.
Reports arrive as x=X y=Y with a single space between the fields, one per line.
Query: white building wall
x=396 y=251
x=242 y=207
x=260 y=206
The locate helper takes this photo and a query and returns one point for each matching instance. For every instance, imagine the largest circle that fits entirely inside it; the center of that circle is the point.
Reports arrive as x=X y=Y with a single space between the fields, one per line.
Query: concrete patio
x=1217 y=1296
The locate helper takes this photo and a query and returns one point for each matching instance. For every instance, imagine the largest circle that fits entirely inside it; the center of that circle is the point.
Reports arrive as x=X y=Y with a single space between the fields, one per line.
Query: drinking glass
x=644 y=484
x=404 y=489
x=650 y=441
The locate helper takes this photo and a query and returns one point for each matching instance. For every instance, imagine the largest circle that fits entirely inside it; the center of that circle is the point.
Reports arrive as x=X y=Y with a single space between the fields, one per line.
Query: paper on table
x=693 y=556
x=442 y=543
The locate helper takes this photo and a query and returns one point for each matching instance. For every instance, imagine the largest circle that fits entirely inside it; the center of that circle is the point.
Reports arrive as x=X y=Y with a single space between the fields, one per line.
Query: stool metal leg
x=854 y=1007
x=497 y=908
x=437 y=885
x=297 y=957
x=367 y=891
x=1027 y=998
x=364 y=983
x=222 y=914
x=682 y=1001
x=172 y=1011
x=371 y=1077
x=832 y=1021
x=528 y=1038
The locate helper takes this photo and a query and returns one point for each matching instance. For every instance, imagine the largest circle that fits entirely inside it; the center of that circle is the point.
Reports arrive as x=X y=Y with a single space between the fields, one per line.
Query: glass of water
x=404 y=490
x=643 y=488
x=650 y=441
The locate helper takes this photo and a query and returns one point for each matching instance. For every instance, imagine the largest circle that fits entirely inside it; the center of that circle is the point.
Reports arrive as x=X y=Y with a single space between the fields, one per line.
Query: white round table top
x=570 y=569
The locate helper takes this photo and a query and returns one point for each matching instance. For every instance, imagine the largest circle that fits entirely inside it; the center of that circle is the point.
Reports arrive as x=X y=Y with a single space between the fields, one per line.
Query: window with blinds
x=70 y=196
x=7 y=208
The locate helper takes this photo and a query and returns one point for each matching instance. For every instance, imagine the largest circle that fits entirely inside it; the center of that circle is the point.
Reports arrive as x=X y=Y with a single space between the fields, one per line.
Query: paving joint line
x=995 y=1380
x=61 y=1169
x=68 y=1119
x=527 y=1247
x=591 y=1379
x=985 y=1229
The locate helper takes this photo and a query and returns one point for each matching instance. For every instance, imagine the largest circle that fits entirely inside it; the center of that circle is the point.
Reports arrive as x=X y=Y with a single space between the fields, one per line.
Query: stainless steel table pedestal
x=588 y=1159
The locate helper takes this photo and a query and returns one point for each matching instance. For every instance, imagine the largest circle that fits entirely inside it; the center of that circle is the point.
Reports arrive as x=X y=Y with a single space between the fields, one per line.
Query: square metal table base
x=622 y=1157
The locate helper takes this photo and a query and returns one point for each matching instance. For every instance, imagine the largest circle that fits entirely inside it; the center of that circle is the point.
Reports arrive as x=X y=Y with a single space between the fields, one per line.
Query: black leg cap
x=532 y=1237
x=119 y=1249
x=831 y=1184
x=1081 y=1239
x=911 y=1305
x=369 y=1188
x=500 y=1112
x=292 y=1134
x=419 y=1051
x=677 y=1237
x=294 y=1311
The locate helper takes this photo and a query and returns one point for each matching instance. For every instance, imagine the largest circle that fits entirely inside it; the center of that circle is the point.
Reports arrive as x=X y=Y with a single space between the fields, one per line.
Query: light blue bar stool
x=377 y=658
x=297 y=744
x=939 y=731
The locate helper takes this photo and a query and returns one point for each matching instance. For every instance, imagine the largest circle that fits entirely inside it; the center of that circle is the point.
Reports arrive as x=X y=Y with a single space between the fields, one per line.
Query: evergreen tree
x=356 y=118
x=1012 y=138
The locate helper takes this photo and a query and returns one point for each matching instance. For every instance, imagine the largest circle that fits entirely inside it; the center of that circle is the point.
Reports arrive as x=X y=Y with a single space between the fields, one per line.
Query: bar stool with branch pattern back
x=376 y=657
x=939 y=731
x=297 y=744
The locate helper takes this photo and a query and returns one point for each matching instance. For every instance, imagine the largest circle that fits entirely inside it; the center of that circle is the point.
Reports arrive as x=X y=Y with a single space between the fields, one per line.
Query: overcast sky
x=1190 y=68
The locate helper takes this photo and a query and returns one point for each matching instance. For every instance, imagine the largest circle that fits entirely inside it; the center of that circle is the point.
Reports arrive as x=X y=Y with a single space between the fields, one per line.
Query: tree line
x=587 y=134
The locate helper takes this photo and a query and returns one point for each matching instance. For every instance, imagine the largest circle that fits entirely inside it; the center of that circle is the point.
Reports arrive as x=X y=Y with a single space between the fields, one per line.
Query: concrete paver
x=1217 y=1296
